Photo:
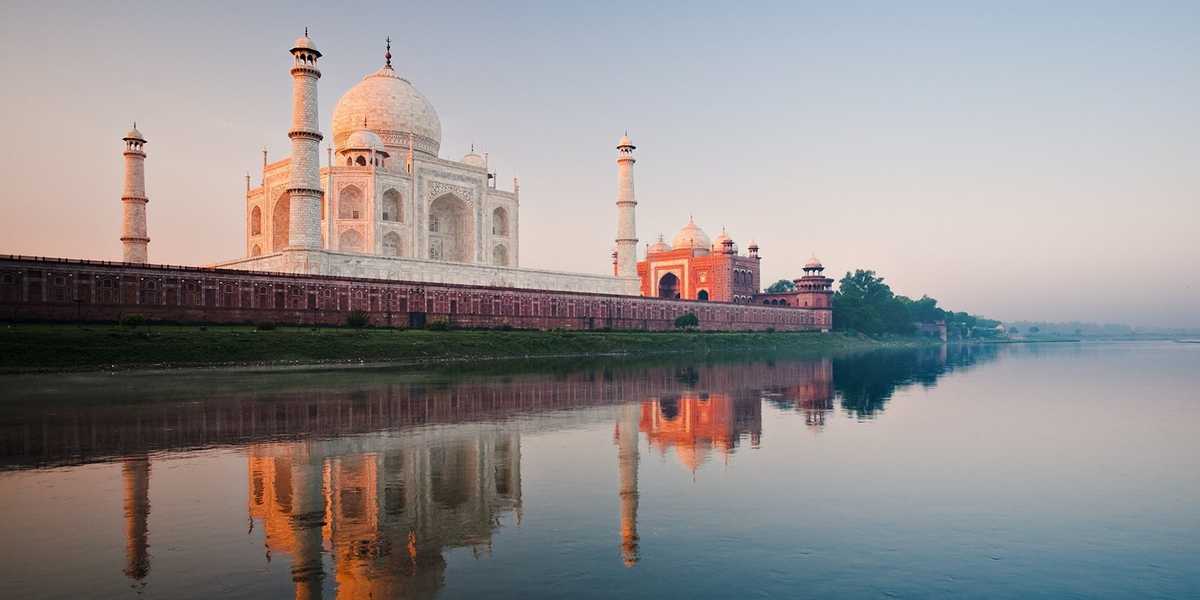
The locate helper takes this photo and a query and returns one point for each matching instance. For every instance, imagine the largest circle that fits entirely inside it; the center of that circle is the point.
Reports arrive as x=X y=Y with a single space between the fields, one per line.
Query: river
x=1015 y=471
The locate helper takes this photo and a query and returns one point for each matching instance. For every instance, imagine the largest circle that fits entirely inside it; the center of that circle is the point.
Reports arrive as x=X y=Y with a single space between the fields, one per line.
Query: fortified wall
x=56 y=289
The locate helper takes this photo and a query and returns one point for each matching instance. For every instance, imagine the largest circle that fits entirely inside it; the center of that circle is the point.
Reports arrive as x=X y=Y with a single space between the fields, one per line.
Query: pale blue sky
x=1019 y=161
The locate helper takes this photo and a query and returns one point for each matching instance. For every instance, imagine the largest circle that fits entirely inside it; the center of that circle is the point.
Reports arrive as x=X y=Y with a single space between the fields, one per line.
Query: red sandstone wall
x=70 y=290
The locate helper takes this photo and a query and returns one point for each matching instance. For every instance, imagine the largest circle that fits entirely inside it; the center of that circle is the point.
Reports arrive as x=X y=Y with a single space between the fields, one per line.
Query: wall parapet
x=63 y=289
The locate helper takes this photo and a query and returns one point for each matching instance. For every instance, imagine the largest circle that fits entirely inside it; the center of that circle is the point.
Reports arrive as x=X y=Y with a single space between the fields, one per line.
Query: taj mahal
x=383 y=224
x=387 y=205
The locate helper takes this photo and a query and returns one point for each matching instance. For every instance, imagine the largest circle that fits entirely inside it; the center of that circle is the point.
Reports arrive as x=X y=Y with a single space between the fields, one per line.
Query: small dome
x=134 y=134
x=659 y=246
x=473 y=159
x=719 y=243
x=305 y=43
x=813 y=263
x=364 y=139
x=691 y=236
x=625 y=141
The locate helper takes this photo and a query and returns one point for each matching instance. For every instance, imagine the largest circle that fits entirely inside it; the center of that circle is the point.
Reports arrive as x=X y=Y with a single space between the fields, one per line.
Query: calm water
x=1060 y=470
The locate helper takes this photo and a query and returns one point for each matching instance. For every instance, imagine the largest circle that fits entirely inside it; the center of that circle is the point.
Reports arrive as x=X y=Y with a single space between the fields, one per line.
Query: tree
x=783 y=285
x=687 y=321
x=1034 y=329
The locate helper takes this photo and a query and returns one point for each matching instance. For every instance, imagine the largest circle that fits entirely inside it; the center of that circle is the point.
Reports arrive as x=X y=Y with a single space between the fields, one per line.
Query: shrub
x=687 y=321
x=265 y=326
x=133 y=321
x=438 y=325
x=357 y=319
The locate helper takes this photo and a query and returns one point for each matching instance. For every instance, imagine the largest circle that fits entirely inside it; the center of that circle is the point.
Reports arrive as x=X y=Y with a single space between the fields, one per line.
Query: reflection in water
x=383 y=473
x=135 y=474
x=385 y=515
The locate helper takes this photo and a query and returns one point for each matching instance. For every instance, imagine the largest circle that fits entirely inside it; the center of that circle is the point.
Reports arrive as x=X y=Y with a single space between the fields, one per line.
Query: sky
x=1019 y=160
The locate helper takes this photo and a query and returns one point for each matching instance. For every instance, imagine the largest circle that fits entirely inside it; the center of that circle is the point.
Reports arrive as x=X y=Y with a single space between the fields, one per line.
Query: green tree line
x=866 y=304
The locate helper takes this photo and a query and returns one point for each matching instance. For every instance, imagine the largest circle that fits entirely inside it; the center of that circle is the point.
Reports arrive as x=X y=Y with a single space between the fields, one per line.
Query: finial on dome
x=306 y=32
x=364 y=121
x=387 y=55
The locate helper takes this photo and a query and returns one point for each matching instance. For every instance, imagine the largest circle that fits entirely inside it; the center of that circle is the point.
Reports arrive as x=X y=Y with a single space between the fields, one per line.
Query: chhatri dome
x=691 y=236
x=718 y=244
x=813 y=263
x=395 y=110
x=364 y=139
x=659 y=246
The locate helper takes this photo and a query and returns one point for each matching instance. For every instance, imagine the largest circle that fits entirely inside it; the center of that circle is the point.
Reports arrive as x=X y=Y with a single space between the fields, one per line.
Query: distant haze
x=1035 y=161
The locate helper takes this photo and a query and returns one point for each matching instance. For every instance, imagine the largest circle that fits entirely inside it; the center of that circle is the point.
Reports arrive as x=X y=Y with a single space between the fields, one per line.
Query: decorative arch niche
x=350 y=241
x=392 y=206
x=500 y=222
x=350 y=203
x=256 y=221
x=500 y=256
x=392 y=244
x=450 y=235
x=281 y=218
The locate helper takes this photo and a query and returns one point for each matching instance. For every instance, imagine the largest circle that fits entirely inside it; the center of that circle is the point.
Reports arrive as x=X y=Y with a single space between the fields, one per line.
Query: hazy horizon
x=1021 y=162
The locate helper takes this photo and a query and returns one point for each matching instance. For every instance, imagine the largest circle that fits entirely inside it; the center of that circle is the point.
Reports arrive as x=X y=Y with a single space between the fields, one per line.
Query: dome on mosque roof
x=719 y=243
x=659 y=246
x=134 y=134
x=364 y=139
x=394 y=110
x=473 y=159
x=813 y=263
x=691 y=236
x=625 y=141
x=305 y=43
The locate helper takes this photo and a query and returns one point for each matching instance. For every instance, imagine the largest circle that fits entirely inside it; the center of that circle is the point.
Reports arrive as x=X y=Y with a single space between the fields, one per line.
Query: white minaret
x=626 y=209
x=304 y=186
x=133 y=199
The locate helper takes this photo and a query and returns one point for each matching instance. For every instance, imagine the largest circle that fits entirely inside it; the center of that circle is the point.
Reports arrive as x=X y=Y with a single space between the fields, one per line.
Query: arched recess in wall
x=500 y=221
x=702 y=296
x=392 y=206
x=668 y=286
x=256 y=221
x=256 y=250
x=350 y=241
x=281 y=218
x=392 y=244
x=500 y=256
x=350 y=203
x=450 y=234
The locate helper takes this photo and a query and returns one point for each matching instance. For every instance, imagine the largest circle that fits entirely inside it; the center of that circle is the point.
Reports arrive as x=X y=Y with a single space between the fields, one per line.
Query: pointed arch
x=500 y=221
x=392 y=244
x=350 y=241
x=500 y=256
x=350 y=203
x=281 y=218
x=393 y=206
x=450 y=229
x=256 y=221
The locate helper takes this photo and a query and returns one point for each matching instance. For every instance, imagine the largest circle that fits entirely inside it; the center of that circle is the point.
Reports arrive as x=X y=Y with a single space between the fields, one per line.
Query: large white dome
x=393 y=110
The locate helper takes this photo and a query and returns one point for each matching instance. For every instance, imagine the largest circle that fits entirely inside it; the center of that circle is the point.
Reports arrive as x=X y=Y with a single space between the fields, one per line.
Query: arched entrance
x=449 y=230
x=668 y=286
x=702 y=296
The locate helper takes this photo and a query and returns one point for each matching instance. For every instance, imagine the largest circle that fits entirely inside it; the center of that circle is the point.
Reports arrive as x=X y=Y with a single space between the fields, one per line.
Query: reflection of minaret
x=307 y=521
x=136 y=474
x=627 y=461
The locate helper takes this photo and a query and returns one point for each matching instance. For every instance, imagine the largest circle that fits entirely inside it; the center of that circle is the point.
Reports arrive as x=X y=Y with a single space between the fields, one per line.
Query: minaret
x=626 y=207
x=627 y=470
x=133 y=199
x=304 y=185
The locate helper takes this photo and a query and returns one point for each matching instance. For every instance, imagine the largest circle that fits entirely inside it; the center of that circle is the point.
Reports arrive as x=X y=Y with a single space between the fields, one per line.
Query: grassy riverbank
x=67 y=347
